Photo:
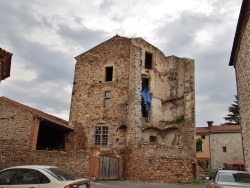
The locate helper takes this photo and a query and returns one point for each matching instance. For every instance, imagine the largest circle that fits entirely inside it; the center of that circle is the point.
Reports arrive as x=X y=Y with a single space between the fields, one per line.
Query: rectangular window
x=152 y=139
x=224 y=149
x=198 y=145
x=203 y=137
x=107 y=99
x=145 y=82
x=101 y=135
x=109 y=74
x=148 y=60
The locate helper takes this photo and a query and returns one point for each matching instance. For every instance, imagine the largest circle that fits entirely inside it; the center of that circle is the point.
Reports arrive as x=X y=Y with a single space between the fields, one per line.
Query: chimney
x=210 y=124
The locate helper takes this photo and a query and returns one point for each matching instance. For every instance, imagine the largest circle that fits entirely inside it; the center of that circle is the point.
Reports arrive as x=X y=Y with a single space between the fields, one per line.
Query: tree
x=233 y=118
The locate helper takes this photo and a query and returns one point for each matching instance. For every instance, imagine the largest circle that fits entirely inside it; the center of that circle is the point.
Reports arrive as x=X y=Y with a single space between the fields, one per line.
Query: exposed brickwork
x=5 y=64
x=171 y=83
x=18 y=136
x=12 y=155
x=94 y=165
x=151 y=164
x=33 y=134
x=172 y=117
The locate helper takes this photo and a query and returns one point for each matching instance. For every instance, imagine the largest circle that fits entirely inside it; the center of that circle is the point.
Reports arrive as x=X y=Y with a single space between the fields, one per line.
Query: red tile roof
x=5 y=59
x=39 y=113
x=218 y=129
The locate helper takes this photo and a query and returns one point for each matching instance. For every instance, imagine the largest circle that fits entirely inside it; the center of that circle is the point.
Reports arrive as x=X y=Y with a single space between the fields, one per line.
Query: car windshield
x=61 y=174
x=234 y=177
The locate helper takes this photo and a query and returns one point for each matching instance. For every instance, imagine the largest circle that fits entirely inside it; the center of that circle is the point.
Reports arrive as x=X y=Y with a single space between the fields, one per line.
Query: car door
x=25 y=178
x=6 y=176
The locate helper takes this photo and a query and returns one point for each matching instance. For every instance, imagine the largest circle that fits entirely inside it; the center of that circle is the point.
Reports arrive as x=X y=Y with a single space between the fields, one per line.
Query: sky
x=45 y=36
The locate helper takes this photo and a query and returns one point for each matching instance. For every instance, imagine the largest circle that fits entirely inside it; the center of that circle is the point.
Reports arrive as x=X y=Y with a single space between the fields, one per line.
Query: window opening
x=50 y=138
x=148 y=60
x=198 y=145
x=203 y=137
x=152 y=139
x=109 y=74
x=101 y=135
x=107 y=99
x=224 y=149
x=145 y=82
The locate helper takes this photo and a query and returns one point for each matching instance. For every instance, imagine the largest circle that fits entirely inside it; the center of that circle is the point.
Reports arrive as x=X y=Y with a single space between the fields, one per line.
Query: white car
x=40 y=176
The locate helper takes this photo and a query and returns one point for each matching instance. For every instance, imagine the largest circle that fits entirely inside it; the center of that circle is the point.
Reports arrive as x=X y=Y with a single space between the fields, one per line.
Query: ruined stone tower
x=108 y=112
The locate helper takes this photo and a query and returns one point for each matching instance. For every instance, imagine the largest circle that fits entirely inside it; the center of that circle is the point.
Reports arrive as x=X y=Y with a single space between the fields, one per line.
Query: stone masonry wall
x=15 y=125
x=18 y=135
x=124 y=119
x=151 y=163
x=87 y=104
x=12 y=155
x=242 y=69
x=171 y=84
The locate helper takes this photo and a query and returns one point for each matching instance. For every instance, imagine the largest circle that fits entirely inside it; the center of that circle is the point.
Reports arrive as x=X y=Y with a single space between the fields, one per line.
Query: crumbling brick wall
x=171 y=81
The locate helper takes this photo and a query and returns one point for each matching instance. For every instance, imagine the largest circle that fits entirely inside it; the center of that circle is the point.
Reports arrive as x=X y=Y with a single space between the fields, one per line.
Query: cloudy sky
x=45 y=36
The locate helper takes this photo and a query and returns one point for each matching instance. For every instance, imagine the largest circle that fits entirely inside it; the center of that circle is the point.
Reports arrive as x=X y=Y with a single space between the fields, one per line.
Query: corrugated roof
x=39 y=113
x=218 y=129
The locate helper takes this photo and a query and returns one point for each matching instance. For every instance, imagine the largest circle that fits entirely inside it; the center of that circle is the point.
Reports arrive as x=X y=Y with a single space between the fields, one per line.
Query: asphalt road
x=129 y=184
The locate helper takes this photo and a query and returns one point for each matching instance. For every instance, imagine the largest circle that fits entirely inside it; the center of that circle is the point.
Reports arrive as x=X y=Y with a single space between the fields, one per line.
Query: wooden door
x=108 y=168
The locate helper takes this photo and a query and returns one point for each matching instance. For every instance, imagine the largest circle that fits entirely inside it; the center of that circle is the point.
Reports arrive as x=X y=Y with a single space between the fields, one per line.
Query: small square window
x=203 y=137
x=152 y=139
x=224 y=149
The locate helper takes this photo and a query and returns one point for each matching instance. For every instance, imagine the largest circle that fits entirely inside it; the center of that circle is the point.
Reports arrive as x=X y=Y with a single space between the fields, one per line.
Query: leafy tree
x=233 y=118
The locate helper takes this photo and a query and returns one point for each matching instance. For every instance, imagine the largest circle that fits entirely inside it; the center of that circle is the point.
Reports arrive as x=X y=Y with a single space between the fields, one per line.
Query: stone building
x=133 y=110
x=30 y=136
x=240 y=59
x=221 y=144
x=5 y=64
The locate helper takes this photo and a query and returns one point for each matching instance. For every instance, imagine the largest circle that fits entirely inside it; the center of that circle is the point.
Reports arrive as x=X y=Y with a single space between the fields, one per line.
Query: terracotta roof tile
x=218 y=129
x=39 y=113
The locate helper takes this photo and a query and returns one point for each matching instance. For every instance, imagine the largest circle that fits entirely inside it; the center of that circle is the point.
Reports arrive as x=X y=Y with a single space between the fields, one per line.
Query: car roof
x=233 y=171
x=33 y=166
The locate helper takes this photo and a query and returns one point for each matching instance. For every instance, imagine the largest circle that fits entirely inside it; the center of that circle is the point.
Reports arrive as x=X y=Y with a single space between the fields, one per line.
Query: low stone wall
x=158 y=168
x=148 y=163
x=76 y=162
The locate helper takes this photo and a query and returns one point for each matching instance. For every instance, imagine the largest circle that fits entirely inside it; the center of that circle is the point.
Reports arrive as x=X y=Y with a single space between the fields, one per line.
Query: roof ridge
x=35 y=111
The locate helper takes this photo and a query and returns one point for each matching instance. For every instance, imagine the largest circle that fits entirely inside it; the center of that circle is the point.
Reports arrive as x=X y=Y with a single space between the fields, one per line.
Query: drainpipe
x=210 y=124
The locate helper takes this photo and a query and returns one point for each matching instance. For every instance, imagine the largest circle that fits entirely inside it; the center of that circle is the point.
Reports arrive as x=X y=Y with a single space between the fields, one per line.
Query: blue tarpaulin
x=147 y=101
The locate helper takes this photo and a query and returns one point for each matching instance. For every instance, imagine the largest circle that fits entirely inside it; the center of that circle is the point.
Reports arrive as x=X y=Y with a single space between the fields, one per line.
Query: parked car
x=40 y=176
x=235 y=166
x=229 y=178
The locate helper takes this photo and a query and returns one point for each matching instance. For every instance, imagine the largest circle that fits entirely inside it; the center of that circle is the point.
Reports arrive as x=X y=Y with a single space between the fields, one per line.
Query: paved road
x=129 y=184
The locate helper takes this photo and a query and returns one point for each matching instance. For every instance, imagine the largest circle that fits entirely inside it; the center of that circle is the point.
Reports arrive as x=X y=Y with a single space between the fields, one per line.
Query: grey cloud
x=84 y=37
x=37 y=95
